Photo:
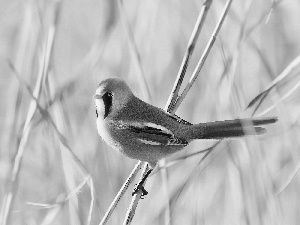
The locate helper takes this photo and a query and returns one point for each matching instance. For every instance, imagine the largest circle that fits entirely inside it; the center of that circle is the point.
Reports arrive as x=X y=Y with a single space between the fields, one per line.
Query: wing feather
x=153 y=134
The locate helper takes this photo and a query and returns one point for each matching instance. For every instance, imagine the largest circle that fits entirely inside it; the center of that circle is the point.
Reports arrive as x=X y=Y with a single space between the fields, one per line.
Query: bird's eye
x=107 y=99
x=96 y=113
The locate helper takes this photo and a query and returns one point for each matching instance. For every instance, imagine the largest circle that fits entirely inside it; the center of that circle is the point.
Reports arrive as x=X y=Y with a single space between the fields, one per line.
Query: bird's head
x=111 y=96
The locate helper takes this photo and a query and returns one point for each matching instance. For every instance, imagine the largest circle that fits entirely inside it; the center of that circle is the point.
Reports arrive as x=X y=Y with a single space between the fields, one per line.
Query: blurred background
x=57 y=52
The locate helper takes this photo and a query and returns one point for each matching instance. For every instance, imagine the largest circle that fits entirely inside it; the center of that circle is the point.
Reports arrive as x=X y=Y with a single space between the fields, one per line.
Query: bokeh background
x=58 y=51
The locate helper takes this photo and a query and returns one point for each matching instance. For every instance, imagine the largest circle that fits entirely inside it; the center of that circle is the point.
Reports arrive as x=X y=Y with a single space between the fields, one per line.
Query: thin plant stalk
x=9 y=198
x=204 y=55
x=136 y=55
x=135 y=200
x=292 y=90
x=286 y=72
x=67 y=169
x=188 y=53
x=121 y=193
x=45 y=114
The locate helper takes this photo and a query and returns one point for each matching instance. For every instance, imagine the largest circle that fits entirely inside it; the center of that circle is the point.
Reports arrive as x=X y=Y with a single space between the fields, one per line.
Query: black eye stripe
x=107 y=99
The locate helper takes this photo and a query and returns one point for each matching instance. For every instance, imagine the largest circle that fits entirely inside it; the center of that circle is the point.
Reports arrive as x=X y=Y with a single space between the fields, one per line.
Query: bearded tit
x=142 y=131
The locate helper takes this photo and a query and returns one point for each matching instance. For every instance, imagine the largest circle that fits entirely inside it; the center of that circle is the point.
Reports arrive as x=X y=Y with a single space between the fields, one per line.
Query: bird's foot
x=139 y=187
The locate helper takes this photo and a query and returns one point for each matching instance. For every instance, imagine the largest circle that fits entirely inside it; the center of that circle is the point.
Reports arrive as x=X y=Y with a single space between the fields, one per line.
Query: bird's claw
x=139 y=187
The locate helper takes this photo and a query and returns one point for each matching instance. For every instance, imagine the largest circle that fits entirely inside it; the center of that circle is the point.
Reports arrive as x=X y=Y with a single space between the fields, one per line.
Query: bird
x=145 y=132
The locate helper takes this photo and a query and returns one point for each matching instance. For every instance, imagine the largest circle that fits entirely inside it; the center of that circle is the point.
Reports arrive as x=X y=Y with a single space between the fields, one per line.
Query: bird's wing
x=154 y=134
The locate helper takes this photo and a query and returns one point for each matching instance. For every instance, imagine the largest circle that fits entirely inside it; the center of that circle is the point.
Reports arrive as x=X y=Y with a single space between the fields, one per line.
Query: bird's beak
x=96 y=96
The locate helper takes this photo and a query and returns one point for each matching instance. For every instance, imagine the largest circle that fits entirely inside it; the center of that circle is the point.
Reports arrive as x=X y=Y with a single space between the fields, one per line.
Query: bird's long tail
x=230 y=128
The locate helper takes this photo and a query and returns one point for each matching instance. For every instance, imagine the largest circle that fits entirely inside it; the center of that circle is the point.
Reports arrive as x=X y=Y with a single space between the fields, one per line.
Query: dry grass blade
x=244 y=35
x=67 y=147
x=121 y=193
x=197 y=170
x=292 y=90
x=61 y=128
x=259 y=98
x=51 y=215
x=7 y=206
x=135 y=53
x=53 y=210
x=90 y=213
x=20 y=65
x=188 y=53
x=67 y=167
x=288 y=180
x=62 y=201
x=204 y=55
x=164 y=175
x=274 y=4
x=45 y=114
x=179 y=159
x=58 y=96
x=171 y=163
x=135 y=200
x=230 y=71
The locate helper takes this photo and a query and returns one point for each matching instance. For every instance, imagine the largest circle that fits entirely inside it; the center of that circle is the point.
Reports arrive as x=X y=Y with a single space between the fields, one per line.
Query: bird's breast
x=106 y=131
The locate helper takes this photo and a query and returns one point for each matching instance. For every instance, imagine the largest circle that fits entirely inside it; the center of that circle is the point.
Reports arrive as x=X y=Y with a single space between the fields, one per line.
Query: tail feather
x=230 y=128
x=231 y=133
x=250 y=121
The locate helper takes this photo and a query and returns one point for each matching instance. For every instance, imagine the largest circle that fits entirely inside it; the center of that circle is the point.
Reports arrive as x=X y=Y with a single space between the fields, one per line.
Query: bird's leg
x=140 y=186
